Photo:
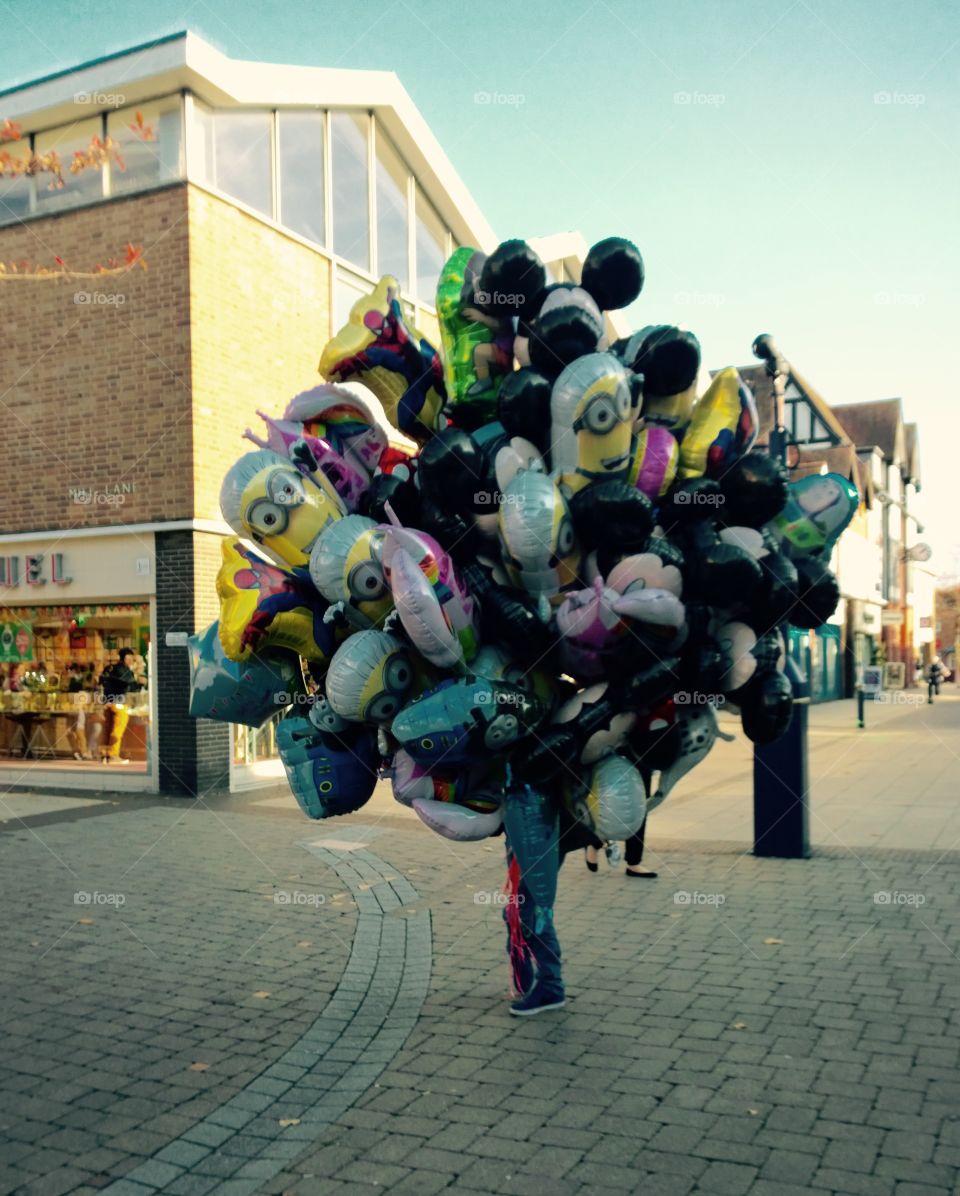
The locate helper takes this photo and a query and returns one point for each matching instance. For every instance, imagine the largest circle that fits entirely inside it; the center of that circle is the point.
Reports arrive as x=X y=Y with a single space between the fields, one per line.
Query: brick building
x=266 y=199
x=886 y=608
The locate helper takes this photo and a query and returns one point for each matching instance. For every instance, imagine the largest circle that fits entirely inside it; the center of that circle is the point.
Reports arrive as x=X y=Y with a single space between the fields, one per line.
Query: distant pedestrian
x=117 y=681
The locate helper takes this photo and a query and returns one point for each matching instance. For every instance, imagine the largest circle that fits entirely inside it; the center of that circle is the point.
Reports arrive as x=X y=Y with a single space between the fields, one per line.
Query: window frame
x=192 y=168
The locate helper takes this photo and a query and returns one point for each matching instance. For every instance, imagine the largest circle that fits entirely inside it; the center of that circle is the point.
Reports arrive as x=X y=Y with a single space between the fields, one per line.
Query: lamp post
x=781 y=819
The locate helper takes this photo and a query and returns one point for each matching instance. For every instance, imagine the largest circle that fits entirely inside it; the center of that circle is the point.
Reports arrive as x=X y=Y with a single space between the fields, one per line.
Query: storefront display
x=52 y=706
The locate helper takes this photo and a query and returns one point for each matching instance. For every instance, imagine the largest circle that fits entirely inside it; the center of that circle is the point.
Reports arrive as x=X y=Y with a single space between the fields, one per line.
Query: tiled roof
x=877 y=422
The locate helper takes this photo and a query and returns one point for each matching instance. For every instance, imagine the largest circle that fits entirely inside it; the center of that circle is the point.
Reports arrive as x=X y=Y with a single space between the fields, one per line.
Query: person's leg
x=592 y=852
x=118 y=719
x=80 y=727
x=519 y=950
x=546 y=951
x=634 y=845
x=109 y=714
x=547 y=992
x=634 y=853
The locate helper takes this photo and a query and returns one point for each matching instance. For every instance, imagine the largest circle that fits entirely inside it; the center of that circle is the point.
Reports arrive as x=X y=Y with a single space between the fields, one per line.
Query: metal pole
x=781 y=820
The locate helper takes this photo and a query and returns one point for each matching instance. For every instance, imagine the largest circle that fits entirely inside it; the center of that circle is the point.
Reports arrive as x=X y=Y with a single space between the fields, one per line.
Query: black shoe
x=648 y=875
x=590 y=867
x=538 y=1000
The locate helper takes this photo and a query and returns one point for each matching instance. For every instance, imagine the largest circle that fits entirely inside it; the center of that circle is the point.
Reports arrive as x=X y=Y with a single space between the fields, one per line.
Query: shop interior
x=55 y=716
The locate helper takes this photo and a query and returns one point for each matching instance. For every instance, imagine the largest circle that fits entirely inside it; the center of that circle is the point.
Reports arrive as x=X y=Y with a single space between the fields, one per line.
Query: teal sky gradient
x=781 y=196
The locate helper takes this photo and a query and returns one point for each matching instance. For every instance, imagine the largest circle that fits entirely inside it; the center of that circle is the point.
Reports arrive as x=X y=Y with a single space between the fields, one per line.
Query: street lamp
x=781 y=817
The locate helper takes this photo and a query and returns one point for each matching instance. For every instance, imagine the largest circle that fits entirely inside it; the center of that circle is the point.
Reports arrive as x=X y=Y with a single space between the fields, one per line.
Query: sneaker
x=77 y=756
x=121 y=760
x=538 y=1000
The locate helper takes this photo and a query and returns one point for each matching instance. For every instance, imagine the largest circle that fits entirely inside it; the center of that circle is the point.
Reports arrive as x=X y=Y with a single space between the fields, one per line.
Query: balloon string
x=520 y=952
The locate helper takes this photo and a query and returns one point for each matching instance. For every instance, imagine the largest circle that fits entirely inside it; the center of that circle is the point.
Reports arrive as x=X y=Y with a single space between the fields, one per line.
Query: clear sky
x=789 y=166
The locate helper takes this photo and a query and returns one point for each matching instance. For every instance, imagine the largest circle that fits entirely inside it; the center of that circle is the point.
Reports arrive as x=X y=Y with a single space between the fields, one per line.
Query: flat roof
x=182 y=60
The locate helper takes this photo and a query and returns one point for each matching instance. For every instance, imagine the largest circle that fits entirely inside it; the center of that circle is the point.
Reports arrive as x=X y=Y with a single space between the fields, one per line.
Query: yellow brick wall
x=96 y=394
x=261 y=316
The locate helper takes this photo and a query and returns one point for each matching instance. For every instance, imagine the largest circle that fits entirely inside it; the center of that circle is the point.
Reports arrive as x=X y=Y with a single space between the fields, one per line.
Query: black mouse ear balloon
x=564 y=331
x=754 y=490
x=451 y=468
x=523 y=406
x=511 y=280
x=669 y=359
x=612 y=515
x=818 y=593
x=766 y=708
x=400 y=493
x=613 y=273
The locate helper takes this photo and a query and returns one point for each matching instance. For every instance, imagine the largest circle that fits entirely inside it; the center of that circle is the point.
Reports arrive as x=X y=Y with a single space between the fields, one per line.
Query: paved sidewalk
x=895 y=784
x=252 y=1003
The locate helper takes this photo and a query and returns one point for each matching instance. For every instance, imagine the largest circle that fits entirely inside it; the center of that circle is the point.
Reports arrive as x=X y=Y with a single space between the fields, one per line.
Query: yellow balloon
x=265 y=498
x=379 y=347
x=717 y=410
x=263 y=606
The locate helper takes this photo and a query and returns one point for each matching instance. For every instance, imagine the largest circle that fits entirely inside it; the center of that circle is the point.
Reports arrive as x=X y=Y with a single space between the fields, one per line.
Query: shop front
x=71 y=608
x=819 y=654
x=255 y=760
x=864 y=628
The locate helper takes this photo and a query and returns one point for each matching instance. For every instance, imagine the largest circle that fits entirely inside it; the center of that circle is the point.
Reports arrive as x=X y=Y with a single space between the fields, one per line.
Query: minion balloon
x=536 y=537
x=346 y=567
x=592 y=420
x=268 y=500
x=370 y=677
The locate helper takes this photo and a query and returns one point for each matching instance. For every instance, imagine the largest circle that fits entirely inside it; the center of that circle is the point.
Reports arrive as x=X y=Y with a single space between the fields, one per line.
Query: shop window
x=254 y=745
x=392 y=216
x=242 y=158
x=431 y=250
x=300 y=164
x=149 y=142
x=351 y=186
x=82 y=187
x=54 y=710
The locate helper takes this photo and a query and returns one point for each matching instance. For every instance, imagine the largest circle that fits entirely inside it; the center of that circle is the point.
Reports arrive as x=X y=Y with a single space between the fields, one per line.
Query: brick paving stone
x=727 y=1179
x=852 y=1184
x=843 y=1079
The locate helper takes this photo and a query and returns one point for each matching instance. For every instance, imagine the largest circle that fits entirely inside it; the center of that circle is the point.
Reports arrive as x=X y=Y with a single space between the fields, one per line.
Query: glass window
x=349 y=288
x=67 y=142
x=148 y=141
x=431 y=250
x=57 y=707
x=252 y=745
x=392 y=250
x=242 y=154
x=300 y=162
x=15 y=192
x=804 y=432
x=201 y=143
x=351 y=186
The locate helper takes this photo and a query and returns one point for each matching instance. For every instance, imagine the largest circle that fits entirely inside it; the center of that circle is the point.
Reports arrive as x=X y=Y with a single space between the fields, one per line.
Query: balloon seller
x=524 y=622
